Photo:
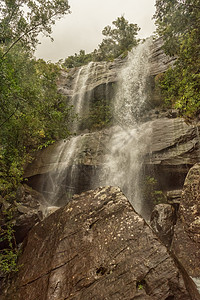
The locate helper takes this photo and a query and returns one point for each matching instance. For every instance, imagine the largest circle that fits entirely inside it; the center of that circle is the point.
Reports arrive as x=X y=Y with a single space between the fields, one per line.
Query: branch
x=9 y=117
x=26 y=32
x=19 y=38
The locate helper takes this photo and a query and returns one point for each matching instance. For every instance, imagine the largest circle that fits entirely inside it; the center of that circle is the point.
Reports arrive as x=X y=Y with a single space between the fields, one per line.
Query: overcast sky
x=82 y=28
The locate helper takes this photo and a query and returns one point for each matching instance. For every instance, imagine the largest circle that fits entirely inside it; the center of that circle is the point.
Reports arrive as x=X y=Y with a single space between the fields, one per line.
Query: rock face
x=104 y=74
x=179 y=147
x=26 y=212
x=169 y=157
x=186 y=241
x=173 y=149
x=174 y=143
x=163 y=219
x=159 y=61
x=96 y=247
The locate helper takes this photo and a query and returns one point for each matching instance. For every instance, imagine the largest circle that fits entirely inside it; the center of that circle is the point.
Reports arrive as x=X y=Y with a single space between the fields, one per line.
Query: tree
x=78 y=60
x=22 y=20
x=32 y=112
x=119 y=39
x=178 y=23
x=174 y=19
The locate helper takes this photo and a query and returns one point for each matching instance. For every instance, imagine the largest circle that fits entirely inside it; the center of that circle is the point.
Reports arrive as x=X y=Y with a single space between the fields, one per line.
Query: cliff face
x=159 y=61
x=174 y=153
x=173 y=149
x=104 y=74
x=96 y=246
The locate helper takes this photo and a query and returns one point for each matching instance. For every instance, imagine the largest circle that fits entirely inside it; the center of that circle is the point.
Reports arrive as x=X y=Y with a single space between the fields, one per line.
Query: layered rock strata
x=173 y=149
x=104 y=74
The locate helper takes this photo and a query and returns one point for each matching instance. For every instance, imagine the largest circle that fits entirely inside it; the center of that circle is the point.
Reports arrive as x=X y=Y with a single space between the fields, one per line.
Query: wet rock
x=170 y=157
x=159 y=61
x=102 y=77
x=174 y=196
x=26 y=212
x=186 y=241
x=96 y=247
x=163 y=219
x=180 y=145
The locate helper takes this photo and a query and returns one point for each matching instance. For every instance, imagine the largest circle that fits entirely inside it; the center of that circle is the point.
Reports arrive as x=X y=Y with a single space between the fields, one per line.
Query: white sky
x=82 y=28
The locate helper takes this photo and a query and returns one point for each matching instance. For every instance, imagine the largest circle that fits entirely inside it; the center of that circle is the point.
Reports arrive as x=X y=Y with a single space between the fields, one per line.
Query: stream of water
x=129 y=140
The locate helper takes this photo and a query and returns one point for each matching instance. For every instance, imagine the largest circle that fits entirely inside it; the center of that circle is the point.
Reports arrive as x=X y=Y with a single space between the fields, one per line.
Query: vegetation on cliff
x=32 y=112
x=118 y=40
x=178 y=23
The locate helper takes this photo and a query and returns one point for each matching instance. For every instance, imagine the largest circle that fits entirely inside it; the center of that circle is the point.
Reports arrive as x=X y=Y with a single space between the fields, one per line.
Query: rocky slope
x=186 y=240
x=97 y=247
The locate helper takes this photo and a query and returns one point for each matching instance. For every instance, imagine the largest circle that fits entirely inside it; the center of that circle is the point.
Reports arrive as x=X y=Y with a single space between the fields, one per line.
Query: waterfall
x=60 y=184
x=128 y=139
x=79 y=100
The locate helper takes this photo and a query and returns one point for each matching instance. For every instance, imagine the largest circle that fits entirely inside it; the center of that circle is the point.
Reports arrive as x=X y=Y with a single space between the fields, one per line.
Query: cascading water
x=79 y=100
x=54 y=186
x=61 y=182
x=129 y=140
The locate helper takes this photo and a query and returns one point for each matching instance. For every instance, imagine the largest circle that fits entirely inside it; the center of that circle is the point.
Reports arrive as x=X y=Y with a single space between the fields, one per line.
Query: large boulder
x=186 y=241
x=96 y=247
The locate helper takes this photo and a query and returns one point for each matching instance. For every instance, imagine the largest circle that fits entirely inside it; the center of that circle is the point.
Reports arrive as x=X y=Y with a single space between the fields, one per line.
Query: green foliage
x=33 y=115
x=22 y=21
x=8 y=255
x=78 y=60
x=32 y=112
x=100 y=116
x=118 y=41
x=150 y=191
x=140 y=285
x=178 y=24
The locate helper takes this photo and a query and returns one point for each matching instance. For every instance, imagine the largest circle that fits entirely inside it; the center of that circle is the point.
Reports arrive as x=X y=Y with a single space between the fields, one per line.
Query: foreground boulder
x=96 y=247
x=186 y=241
